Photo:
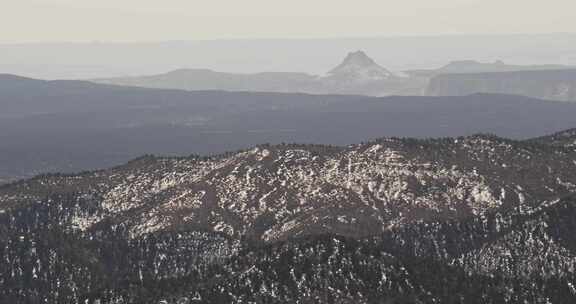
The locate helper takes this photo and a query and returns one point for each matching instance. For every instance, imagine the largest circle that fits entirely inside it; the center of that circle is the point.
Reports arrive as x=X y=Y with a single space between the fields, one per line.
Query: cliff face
x=551 y=85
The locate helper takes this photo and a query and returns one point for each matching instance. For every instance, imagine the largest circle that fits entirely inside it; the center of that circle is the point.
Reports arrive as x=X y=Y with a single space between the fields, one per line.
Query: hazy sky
x=150 y=20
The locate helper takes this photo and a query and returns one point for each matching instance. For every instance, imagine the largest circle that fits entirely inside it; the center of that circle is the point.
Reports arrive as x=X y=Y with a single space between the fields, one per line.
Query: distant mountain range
x=475 y=219
x=472 y=66
x=69 y=126
x=357 y=74
x=102 y=59
x=360 y=75
x=545 y=84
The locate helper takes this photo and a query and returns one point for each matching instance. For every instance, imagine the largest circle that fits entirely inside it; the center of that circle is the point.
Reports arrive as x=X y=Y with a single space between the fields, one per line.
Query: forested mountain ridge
x=477 y=219
x=565 y=138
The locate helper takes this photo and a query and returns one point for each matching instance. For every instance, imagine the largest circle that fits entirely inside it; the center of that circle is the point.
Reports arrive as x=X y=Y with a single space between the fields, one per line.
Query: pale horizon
x=295 y=38
x=178 y=20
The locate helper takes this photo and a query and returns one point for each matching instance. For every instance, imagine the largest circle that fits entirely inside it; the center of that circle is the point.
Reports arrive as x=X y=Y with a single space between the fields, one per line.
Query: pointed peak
x=359 y=58
x=358 y=65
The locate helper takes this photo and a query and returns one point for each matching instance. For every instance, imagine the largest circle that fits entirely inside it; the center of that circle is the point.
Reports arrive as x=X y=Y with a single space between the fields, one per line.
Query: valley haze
x=68 y=126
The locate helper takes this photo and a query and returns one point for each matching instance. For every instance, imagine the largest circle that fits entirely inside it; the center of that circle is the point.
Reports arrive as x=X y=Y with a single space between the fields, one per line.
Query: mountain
x=361 y=75
x=194 y=80
x=565 y=138
x=358 y=74
x=472 y=66
x=358 y=67
x=452 y=220
x=429 y=79
x=71 y=126
x=546 y=84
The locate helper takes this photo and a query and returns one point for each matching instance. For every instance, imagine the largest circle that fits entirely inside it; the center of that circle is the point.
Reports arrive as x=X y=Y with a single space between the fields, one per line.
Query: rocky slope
x=477 y=219
x=546 y=84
